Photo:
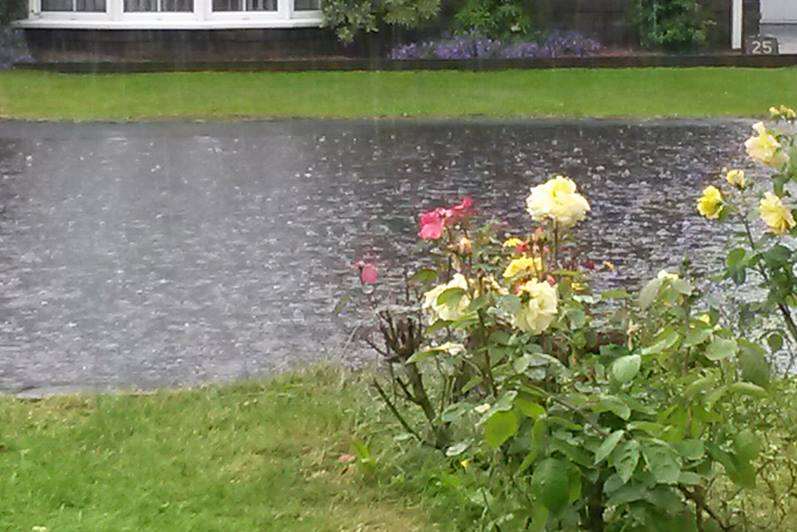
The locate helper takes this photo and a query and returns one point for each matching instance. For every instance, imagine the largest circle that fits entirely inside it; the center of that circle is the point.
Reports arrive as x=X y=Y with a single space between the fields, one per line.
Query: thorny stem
x=687 y=312
x=576 y=411
x=556 y=244
x=701 y=506
x=784 y=310
x=488 y=370
x=396 y=413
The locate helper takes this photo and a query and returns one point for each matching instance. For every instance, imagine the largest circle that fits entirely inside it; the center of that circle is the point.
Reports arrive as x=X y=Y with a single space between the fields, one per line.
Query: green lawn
x=237 y=458
x=256 y=456
x=643 y=93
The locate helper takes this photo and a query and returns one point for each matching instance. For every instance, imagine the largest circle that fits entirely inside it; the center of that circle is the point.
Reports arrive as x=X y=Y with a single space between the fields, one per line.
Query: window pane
x=227 y=5
x=56 y=5
x=307 y=5
x=96 y=6
x=261 y=5
x=141 y=5
x=177 y=5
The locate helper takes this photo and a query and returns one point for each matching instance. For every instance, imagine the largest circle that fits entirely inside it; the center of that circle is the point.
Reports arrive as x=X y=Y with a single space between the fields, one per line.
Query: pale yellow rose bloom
x=736 y=178
x=528 y=265
x=446 y=312
x=664 y=275
x=710 y=203
x=775 y=214
x=765 y=148
x=538 y=312
x=557 y=200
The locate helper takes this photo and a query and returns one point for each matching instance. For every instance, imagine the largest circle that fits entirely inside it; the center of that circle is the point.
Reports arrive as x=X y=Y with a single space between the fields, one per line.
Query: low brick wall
x=182 y=46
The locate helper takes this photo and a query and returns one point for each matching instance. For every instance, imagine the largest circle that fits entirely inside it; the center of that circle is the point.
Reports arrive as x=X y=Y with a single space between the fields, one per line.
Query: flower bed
x=556 y=44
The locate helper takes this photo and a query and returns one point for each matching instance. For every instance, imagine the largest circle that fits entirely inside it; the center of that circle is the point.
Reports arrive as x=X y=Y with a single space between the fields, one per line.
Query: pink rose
x=461 y=211
x=432 y=223
x=368 y=272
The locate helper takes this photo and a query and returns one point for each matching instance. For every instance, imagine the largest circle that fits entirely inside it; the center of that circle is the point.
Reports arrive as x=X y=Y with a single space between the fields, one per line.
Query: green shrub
x=568 y=409
x=497 y=19
x=11 y=10
x=675 y=25
x=351 y=17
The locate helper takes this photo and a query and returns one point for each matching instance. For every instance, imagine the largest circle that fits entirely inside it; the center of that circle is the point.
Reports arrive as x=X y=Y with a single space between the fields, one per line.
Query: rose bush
x=571 y=409
x=763 y=259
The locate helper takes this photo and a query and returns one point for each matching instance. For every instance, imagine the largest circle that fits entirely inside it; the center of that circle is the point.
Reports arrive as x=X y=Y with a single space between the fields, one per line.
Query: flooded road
x=149 y=255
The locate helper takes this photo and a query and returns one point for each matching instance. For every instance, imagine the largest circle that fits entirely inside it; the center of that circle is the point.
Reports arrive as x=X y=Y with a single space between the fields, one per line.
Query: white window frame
x=283 y=12
x=203 y=17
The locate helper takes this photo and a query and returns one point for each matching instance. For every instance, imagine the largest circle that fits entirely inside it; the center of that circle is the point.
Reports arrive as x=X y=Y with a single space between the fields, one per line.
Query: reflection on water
x=165 y=254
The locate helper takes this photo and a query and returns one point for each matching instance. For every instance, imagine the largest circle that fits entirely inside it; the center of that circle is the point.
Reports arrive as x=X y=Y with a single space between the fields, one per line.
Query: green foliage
x=675 y=25
x=348 y=18
x=497 y=19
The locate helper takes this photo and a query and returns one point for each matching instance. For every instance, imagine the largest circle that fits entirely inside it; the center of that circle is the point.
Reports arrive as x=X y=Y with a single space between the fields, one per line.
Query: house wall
x=606 y=20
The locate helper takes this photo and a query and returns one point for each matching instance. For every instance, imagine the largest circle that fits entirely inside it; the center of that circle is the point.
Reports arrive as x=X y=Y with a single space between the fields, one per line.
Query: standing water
x=170 y=254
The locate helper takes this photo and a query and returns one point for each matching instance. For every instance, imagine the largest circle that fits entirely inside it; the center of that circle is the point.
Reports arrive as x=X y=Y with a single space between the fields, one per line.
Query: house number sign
x=761 y=45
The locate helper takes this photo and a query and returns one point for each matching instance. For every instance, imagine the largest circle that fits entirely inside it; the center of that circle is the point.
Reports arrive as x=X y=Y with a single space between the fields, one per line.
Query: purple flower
x=471 y=46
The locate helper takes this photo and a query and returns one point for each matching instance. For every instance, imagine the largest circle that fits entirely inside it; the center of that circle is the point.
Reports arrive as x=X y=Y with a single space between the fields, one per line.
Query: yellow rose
x=710 y=203
x=765 y=148
x=786 y=113
x=523 y=265
x=512 y=242
x=538 y=312
x=447 y=312
x=736 y=178
x=775 y=214
x=559 y=201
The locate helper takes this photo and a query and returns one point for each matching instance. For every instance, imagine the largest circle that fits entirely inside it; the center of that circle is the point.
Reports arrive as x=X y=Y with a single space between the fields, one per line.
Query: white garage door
x=778 y=11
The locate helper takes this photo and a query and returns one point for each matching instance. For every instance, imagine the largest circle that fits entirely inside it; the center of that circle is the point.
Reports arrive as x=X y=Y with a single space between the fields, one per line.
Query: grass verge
x=634 y=93
x=258 y=456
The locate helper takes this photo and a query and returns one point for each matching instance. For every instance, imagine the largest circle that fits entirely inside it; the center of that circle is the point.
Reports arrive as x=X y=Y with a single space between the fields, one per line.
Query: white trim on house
x=778 y=11
x=737 y=20
x=201 y=18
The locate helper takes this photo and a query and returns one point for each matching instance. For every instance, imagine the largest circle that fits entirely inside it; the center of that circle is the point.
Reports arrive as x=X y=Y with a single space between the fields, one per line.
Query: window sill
x=179 y=23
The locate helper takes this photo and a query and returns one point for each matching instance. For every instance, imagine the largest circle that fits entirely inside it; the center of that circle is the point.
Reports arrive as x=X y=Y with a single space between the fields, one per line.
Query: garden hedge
x=11 y=10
